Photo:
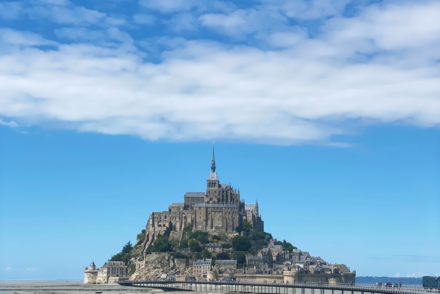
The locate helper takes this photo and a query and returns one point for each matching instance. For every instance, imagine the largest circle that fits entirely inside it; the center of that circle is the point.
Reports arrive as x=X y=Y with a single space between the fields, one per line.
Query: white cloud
x=15 y=38
x=70 y=15
x=300 y=90
x=10 y=10
x=8 y=269
x=31 y=269
x=55 y=2
x=308 y=9
x=173 y=5
x=183 y=22
x=11 y=124
x=240 y=23
x=142 y=18
x=288 y=39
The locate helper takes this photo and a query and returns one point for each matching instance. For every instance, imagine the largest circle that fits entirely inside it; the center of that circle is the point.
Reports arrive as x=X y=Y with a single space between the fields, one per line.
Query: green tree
x=288 y=246
x=187 y=230
x=203 y=239
x=194 y=246
x=183 y=244
x=267 y=238
x=127 y=248
x=247 y=227
x=124 y=255
x=215 y=238
x=223 y=256
x=206 y=253
x=240 y=257
x=241 y=243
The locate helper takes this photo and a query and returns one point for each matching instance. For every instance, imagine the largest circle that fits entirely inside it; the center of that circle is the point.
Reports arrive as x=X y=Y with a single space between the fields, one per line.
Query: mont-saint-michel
x=214 y=235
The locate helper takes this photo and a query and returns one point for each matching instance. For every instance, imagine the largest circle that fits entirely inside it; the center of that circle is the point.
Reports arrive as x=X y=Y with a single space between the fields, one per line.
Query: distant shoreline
x=383 y=279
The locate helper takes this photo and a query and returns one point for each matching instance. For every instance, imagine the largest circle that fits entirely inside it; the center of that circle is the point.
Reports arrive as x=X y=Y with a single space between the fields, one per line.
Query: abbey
x=218 y=210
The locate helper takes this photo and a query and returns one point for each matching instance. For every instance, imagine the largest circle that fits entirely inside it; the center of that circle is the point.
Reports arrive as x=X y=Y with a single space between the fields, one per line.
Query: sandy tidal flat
x=66 y=287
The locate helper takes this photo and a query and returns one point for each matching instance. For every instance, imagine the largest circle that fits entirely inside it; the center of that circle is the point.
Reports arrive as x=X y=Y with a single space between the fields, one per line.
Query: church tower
x=212 y=182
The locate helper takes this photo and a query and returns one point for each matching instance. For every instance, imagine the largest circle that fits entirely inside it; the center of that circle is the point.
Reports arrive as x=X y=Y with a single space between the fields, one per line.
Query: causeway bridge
x=276 y=288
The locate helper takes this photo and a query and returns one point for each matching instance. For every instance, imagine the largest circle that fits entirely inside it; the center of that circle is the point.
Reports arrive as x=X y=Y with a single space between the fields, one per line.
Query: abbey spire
x=213 y=179
x=213 y=159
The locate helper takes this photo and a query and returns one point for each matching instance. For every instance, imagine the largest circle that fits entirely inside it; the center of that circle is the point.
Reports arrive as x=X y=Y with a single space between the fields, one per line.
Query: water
x=403 y=280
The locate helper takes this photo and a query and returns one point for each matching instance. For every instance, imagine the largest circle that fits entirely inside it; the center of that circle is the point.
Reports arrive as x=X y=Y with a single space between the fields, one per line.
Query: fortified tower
x=90 y=274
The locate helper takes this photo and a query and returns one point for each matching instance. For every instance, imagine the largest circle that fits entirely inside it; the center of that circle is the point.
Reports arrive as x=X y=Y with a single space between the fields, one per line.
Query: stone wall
x=90 y=276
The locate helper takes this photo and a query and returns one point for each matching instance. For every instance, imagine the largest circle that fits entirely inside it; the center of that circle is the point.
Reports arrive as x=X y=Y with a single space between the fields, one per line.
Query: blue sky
x=326 y=111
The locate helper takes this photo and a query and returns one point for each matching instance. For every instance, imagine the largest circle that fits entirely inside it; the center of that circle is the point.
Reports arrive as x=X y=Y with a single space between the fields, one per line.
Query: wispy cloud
x=11 y=124
x=277 y=85
x=7 y=269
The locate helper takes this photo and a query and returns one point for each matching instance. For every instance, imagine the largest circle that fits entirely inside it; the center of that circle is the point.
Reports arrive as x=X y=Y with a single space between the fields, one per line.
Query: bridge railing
x=404 y=289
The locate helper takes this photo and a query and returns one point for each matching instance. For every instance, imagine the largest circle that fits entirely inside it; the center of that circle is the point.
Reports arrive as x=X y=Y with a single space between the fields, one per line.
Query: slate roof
x=216 y=205
x=249 y=206
x=195 y=194
x=114 y=263
x=212 y=176
x=226 y=262
x=203 y=262
x=214 y=245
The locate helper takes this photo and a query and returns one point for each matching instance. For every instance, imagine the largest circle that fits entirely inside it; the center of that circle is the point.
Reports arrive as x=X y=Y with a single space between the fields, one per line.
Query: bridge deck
x=276 y=288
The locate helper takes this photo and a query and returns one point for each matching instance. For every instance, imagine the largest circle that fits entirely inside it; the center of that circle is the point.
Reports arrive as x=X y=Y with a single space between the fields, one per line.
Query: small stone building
x=201 y=267
x=224 y=265
x=266 y=256
x=113 y=271
x=214 y=247
x=253 y=260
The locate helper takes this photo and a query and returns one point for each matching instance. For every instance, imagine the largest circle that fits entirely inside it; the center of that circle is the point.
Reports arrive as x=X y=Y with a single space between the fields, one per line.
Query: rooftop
x=213 y=245
x=249 y=206
x=216 y=205
x=224 y=262
x=205 y=261
x=194 y=194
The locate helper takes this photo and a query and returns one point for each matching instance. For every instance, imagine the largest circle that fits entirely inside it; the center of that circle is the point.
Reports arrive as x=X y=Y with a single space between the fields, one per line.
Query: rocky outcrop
x=155 y=264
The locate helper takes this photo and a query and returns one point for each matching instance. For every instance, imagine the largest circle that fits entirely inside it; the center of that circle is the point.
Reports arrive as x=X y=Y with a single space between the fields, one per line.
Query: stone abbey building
x=218 y=210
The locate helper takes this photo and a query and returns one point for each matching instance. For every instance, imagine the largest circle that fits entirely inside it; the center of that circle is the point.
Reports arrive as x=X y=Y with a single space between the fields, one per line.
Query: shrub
x=132 y=269
x=178 y=255
x=161 y=244
x=140 y=238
